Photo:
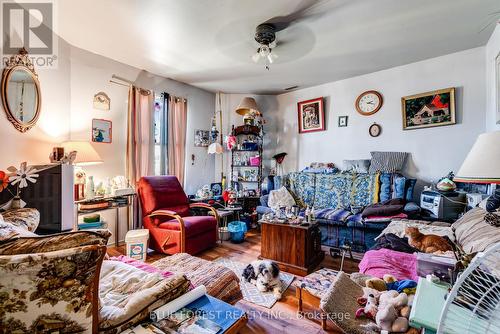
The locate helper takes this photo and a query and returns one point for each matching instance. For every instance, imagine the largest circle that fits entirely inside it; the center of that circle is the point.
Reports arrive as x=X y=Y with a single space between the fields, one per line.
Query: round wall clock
x=375 y=130
x=369 y=102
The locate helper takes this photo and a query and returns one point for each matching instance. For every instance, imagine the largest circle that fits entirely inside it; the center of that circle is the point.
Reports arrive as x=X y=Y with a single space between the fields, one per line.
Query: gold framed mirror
x=20 y=90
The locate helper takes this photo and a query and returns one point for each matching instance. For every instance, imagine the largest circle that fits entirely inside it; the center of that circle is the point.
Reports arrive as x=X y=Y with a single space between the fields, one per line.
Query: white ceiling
x=209 y=43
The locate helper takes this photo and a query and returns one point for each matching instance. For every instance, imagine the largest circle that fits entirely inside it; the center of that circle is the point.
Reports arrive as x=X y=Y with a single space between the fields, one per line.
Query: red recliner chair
x=166 y=214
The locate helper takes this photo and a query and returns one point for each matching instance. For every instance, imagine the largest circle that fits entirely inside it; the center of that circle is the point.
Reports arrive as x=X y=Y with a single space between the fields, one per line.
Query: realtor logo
x=29 y=25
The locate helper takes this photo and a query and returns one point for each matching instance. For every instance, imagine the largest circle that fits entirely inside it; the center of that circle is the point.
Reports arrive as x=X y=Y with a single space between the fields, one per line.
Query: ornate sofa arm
x=173 y=215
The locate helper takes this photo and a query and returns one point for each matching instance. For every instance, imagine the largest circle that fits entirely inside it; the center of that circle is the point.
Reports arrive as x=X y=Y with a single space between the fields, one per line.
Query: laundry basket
x=237 y=229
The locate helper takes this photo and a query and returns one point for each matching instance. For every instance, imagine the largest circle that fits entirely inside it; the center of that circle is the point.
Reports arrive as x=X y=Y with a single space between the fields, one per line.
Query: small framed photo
x=101 y=131
x=436 y=108
x=311 y=115
x=201 y=138
x=343 y=121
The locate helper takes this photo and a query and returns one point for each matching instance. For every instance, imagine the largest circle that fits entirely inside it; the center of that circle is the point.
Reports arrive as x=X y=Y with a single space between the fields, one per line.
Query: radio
x=447 y=206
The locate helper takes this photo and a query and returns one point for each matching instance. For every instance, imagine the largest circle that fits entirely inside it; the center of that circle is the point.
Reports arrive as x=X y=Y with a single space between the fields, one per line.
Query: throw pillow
x=385 y=187
x=280 y=198
x=398 y=186
x=387 y=162
x=473 y=234
x=357 y=166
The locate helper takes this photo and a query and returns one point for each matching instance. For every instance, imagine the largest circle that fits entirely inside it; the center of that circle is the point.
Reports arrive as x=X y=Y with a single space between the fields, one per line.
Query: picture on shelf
x=201 y=138
x=436 y=108
x=311 y=115
x=343 y=121
x=101 y=131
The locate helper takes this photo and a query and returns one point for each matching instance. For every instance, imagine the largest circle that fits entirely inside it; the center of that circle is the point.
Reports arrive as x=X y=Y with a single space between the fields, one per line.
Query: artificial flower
x=4 y=180
x=22 y=175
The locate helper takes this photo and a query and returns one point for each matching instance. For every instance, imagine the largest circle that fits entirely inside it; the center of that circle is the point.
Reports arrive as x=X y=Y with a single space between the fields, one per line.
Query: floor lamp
x=216 y=147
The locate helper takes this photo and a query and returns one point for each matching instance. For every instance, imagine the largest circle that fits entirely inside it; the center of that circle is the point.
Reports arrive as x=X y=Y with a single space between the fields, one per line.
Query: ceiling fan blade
x=283 y=22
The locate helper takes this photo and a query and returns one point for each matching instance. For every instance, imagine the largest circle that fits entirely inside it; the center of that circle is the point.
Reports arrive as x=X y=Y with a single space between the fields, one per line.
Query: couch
x=338 y=199
x=62 y=282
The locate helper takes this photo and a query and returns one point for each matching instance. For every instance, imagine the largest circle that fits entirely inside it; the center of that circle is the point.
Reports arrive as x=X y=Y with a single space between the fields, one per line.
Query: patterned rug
x=250 y=291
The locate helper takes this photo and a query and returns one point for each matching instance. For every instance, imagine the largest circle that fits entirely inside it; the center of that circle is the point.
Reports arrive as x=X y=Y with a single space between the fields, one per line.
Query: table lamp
x=86 y=155
x=482 y=165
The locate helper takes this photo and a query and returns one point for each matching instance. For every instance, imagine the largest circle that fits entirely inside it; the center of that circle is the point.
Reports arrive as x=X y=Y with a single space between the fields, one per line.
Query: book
x=192 y=313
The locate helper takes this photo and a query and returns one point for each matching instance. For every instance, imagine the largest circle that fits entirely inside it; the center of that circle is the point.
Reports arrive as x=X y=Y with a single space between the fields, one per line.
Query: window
x=160 y=133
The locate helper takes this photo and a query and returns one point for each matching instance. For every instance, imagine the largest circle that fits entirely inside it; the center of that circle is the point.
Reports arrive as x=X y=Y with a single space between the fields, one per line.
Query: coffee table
x=296 y=248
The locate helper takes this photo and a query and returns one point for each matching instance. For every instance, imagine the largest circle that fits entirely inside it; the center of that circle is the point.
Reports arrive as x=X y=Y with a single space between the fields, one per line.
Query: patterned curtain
x=177 y=122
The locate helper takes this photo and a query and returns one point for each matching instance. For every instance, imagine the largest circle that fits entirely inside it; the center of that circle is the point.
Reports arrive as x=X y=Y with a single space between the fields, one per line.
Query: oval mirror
x=21 y=93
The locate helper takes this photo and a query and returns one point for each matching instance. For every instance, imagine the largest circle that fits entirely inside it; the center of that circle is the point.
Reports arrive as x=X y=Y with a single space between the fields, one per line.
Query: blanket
x=392 y=241
x=385 y=261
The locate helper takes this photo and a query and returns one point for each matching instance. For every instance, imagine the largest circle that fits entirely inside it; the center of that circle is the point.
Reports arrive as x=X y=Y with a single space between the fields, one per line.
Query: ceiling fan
x=265 y=33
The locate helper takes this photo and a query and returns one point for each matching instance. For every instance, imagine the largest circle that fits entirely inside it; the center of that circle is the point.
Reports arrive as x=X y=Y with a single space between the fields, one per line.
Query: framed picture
x=101 y=101
x=343 y=121
x=101 y=131
x=311 y=115
x=436 y=108
x=201 y=138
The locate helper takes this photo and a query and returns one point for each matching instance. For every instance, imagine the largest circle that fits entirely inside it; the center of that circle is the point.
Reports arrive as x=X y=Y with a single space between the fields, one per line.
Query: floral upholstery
x=128 y=295
x=365 y=189
x=301 y=186
x=332 y=191
x=9 y=231
x=27 y=218
x=318 y=282
x=50 y=292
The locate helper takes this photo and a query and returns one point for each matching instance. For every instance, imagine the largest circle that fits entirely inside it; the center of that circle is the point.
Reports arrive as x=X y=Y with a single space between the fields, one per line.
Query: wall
x=492 y=52
x=434 y=151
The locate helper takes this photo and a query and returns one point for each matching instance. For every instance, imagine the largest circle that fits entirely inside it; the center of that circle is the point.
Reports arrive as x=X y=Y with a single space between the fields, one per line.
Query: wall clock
x=375 y=130
x=369 y=102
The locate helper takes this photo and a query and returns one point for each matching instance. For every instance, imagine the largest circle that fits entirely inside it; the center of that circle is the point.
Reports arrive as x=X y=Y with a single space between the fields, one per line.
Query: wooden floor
x=282 y=317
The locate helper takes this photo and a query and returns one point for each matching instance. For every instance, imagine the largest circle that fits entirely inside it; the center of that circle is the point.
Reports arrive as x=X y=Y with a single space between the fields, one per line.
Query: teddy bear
x=388 y=317
x=380 y=284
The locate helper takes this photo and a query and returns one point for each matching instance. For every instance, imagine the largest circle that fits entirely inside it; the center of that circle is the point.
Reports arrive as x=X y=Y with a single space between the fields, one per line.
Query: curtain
x=177 y=121
x=140 y=135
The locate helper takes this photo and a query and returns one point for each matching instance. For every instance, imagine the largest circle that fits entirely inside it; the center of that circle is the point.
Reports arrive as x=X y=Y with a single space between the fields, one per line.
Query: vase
x=16 y=203
x=90 y=188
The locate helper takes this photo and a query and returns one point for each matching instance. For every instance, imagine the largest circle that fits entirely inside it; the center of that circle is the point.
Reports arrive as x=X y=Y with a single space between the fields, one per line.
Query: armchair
x=166 y=213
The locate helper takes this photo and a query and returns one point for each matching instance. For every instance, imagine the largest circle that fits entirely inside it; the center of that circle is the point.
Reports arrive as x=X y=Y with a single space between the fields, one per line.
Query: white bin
x=137 y=244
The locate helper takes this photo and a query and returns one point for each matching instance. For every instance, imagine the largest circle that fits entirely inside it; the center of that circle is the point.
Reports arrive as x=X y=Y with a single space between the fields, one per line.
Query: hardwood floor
x=283 y=316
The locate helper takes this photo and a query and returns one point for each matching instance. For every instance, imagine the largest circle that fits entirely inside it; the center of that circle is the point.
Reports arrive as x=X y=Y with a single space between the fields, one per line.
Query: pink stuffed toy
x=370 y=308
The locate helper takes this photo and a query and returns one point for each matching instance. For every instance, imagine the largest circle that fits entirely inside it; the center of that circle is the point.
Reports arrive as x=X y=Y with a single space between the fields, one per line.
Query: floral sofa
x=338 y=199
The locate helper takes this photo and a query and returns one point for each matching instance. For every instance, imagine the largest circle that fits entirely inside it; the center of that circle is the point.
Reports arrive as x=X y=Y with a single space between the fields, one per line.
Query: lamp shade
x=248 y=106
x=215 y=148
x=482 y=164
x=85 y=153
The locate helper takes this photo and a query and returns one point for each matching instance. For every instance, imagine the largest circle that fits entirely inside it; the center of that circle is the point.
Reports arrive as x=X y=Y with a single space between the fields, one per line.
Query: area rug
x=250 y=291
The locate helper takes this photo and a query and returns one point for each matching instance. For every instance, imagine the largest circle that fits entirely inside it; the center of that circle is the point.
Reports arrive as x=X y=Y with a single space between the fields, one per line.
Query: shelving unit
x=244 y=132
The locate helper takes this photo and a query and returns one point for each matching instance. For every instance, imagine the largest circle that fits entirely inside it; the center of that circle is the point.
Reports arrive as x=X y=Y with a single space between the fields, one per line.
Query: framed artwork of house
x=311 y=115
x=101 y=131
x=430 y=109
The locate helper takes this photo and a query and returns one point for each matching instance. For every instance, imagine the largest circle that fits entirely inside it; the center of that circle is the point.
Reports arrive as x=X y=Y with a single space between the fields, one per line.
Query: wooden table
x=296 y=248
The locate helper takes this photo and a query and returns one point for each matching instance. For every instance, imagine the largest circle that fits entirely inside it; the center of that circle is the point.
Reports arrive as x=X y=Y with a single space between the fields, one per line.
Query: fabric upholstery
x=301 y=186
x=398 y=186
x=385 y=187
x=221 y=282
x=27 y=218
x=473 y=234
x=333 y=191
x=128 y=295
x=166 y=193
x=51 y=291
x=317 y=283
x=388 y=162
x=357 y=166
x=365 y=189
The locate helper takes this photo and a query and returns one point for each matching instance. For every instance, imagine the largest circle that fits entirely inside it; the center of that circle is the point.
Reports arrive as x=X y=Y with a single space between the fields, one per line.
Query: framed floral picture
x=436 y=108
x=311 y=115
x=101 y=131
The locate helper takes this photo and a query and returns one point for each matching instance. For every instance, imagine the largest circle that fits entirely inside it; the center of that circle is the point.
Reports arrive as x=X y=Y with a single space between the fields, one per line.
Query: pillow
x=410 y=187
x=280 y=198
x=473 y=234
x=50 y=243
x=9 y=231
x=387 y=162
x=398 y=186
x=59 y=287
x=364 y=190
x=385 y=187
x=27 y=218
x=357 y=166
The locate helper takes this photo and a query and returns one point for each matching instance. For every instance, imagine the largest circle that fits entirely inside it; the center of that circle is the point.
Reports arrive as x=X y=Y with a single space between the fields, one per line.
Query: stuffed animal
x=388 y=317
x=370 y=308
x=380 y=284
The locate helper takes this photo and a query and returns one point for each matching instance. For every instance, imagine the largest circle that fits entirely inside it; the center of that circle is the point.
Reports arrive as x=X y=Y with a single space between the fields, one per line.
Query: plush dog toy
x=370 y=308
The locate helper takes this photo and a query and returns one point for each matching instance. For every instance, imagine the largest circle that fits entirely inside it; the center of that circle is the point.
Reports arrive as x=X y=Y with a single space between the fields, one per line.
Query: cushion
x=388 y=162
x=397 y=227
x=398 y=186
x=194 y=225
x=387 y=208
x=27 y=218
x=318 y=282
x=385 y=186
x=333 y=191
x=302 y=186
x=410 y=187
x=49 y=243
x=473 y=234
x=9 y=231
x=128 y=295
x=365 y=189
x=357 y=166
x=280 y=198
x=51 y=290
